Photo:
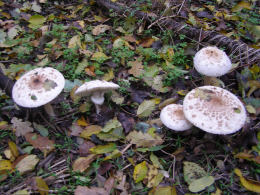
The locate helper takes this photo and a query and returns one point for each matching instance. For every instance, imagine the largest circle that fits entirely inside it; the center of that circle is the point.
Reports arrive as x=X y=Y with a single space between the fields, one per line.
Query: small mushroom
x=38 y=87
x=172 y=117
x=214 y=110
x=211 y=61
x=96 y=90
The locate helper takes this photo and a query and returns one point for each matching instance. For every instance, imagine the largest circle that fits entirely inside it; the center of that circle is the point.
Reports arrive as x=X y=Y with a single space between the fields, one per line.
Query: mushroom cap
x=90 y=87
x=172 y=117
x=38 y=87
x=211 y=61
x=214 y=110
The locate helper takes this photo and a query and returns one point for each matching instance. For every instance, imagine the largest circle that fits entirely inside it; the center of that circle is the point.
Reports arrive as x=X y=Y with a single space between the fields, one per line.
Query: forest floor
x=147 y=48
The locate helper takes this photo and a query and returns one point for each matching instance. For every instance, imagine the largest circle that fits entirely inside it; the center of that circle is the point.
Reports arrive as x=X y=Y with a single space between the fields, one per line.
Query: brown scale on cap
x=36 y=81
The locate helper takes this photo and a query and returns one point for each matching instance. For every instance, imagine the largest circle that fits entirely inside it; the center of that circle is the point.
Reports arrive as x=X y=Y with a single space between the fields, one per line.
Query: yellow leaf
x=82 y=122
x=42 y=186
x=21 y=192
x=90 y=130
x=13 y=149
x=5 y=165
x=102 y=149
x=249 y=184
x=140 y=172
x=116 y=153
x=109 y=76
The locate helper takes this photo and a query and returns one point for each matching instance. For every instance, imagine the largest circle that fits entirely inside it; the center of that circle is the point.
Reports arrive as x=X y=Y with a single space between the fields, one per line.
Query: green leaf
x=114 y=135
x=102 y=149
x=111 y=124
x=155 y=161
x=36 y=21
x=146 y=108
x=201 y=183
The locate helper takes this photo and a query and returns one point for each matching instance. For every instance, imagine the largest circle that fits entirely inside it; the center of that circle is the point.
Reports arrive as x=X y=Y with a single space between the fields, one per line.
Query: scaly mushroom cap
x=214 y=110
x=38 y=87
x=211 y=61
x=95 y=86
x=172 y=117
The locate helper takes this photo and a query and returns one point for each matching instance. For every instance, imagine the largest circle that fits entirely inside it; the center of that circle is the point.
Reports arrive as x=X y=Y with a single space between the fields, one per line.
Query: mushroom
x=38 y=87
x=214 y=110
x=172 y=117
x=212 y=62
x=96 y=90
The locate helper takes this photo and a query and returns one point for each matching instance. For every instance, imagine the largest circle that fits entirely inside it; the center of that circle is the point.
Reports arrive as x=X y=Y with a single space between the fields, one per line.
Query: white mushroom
x=38 y=87
x=212 y=62
x=214 y=110
x=172 y=117
x=96 y=90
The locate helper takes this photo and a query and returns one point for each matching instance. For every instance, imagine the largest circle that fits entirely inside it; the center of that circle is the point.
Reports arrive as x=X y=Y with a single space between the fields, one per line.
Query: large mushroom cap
x=172 y=117
x=211 y=61
x=38 y=87
x=214 y=110
x=88 y=88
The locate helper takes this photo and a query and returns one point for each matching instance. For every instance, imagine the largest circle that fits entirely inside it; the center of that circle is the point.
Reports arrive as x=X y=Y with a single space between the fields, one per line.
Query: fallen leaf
x=248 y=156
x=146 y=108
x=22 y=192
x=140 y=172
x=249 y=184
x=102 y=149
x=100 y=29
x=143 y=139
x=192 y=172
x=13 y=148
x=26 y=163
x=40 y=142
x=5 y=165
x=201 y=183
x=42 y=186
x=163 y=190
x=90 y=130
x=99 y=57
x=111 y=124
x=36 y=21
x=21 y=128
x=74 y=42
x=83 y=190
x=82 y=122
x=82 y=163
x=154 y=177
x=241 y=5
x=136 y=68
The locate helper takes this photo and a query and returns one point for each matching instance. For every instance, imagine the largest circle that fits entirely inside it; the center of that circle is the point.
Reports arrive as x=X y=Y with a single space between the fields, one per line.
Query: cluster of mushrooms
x=40 y=86
x=210 y=108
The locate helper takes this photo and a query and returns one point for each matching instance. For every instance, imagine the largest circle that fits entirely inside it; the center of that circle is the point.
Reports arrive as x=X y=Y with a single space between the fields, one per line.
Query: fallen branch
x=237 y=50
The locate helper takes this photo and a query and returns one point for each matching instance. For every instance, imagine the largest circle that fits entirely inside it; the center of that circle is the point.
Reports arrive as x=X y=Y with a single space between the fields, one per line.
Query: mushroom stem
x=98 y=99
x=98 y=109
x=49 y=110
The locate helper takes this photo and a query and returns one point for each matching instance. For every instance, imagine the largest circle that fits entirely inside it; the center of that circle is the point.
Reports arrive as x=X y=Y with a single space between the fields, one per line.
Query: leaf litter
x=127 y=143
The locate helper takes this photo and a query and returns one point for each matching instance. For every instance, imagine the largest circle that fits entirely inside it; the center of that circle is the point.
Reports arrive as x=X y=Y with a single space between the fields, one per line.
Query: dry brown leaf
x=40 y=142
x=84 y=190
x=21 y=128
x=136 y=68
x=100 y=29
x=82 y=163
